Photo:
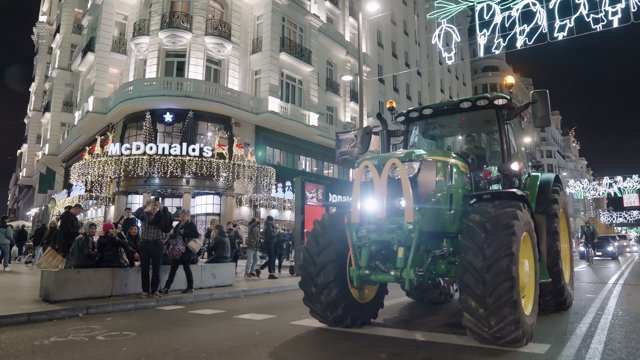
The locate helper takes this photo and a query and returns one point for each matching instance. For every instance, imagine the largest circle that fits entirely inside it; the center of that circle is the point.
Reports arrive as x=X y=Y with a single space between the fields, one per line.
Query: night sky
x=593 y=81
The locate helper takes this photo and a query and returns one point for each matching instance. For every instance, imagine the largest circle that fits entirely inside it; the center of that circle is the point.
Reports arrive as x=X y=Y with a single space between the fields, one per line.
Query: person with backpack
x=151 y=241
x=6 y=234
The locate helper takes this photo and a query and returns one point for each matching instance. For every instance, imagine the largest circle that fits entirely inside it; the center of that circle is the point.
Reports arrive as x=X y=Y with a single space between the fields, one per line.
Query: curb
x=134 y=304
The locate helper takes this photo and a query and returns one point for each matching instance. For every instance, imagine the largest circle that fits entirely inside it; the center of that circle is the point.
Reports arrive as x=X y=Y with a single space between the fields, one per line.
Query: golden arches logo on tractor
x=380 y=182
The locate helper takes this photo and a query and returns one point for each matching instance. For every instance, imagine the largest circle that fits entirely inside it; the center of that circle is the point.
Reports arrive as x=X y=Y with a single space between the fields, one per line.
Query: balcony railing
x=256 y=45
x=119 y=45
x=67 y=107
x=176 y=20
x=333 y=86
x=77 y=29
x=294 y=49
x=218 y=28
x=353 y=96
x=141 y=28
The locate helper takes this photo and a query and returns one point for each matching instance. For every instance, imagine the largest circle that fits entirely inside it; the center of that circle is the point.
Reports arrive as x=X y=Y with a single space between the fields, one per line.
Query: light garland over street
x=619 y=217
x=599 y=188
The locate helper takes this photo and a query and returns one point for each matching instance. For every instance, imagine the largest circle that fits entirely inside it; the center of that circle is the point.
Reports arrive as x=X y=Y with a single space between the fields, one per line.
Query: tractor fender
x=509 y=194
x=545 y=183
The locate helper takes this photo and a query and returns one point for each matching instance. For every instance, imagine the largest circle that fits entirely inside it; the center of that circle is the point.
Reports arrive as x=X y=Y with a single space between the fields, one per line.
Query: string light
x=266 y=201
x=618 y=186
x=97 y=173
x=619 y=217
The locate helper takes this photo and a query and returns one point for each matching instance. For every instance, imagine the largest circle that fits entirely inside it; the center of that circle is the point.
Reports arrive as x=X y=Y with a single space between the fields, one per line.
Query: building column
x=119 y=203
x=186 y=199
x=228 y=207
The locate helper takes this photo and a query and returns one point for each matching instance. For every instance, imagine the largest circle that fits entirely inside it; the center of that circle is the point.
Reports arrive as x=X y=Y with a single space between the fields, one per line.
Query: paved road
x=603 y=324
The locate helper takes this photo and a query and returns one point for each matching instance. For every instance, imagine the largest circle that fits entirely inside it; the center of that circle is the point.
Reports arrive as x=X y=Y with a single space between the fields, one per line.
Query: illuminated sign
x=514 y=24
x=139 y=148
x=599 y=188
x=629 y=200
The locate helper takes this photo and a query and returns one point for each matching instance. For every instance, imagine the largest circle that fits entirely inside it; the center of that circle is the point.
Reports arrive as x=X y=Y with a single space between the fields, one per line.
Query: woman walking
x=185 y=231
x=253 y=244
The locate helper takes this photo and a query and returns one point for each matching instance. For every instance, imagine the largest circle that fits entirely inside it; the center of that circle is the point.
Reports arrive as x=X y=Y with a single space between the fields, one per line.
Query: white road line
x=400 y=300
x=170 y=307
x=597 y=343
x=425 y=336
x=581 y=267
x=578 y=335
x=254 y=316
x=206 y=311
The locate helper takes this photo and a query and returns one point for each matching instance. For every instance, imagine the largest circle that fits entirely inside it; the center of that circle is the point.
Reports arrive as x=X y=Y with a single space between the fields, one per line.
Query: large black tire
x=496 y=239
x=323 y=270
x=558 y=294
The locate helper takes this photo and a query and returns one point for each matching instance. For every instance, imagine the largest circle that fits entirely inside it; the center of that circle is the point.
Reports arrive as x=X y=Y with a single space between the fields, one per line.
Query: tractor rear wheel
x=558 y=294
x=499 y=274
x=324 y=279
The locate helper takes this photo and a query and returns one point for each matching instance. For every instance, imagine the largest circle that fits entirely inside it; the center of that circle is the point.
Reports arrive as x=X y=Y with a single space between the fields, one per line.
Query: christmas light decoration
x=515 y=24
x=148 y=132
x=265 y=201
x=619 y=217
x=599 y=188
x=98 y=172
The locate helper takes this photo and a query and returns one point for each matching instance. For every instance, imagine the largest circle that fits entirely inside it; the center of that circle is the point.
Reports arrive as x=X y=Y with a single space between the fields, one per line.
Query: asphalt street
x=602 y=324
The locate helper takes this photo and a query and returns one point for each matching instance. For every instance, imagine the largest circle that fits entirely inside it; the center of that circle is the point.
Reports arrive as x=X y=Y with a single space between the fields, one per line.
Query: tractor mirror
x=364 y=139
x=540 y=108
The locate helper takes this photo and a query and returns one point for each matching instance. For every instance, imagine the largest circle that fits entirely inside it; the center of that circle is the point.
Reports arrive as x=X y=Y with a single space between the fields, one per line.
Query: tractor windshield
x=474 y=132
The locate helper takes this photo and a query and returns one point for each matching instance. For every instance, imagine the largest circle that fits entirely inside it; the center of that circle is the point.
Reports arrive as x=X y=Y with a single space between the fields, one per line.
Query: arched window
x=215 y=10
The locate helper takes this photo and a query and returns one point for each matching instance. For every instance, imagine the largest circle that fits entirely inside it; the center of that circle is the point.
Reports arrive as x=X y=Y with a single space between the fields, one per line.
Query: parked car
x=607 y=246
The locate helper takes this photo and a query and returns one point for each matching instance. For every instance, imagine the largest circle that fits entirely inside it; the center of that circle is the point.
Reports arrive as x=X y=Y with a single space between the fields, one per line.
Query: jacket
x=109 y=251
x=84 y=252
x=68 y=231
x=6 y=234
x=221 y=247
x=21 y=237
x=187 y=232
x=269 y=231
x=38 y=235
x=253 y=238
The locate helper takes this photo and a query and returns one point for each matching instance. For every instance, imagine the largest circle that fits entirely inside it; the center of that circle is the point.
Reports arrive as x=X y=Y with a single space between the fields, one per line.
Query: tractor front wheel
x=325 y=282
x=499 y=274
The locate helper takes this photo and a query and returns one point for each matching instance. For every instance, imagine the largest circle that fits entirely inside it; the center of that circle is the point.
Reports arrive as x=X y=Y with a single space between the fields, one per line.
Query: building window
x=394 y=79
x=393 y=49
x=213 y=70
x=406 y=58
x=549 y=154
x=381 y=107
x=329 y=117
x=393 y=18
x=290 y=89
x=408 y=89
x=292 y=31
x=379 y=38
x=380 y=74
x=215 y=10
x=206 y=204
x=550 y=168
x=257 y=82
x=493 y=87
x=404 y=27
x=175 y=64
x=134 y=201
x=330 y=72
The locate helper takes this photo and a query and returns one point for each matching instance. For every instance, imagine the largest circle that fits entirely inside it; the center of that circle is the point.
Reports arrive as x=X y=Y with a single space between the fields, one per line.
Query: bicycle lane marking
x=597 y=343
x=569 y=350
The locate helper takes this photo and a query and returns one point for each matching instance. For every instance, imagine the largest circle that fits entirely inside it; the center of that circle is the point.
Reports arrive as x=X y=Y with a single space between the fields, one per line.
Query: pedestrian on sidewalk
x=187 y=231
x=151 y=237
x=21 y=239
x=84 y=252
x=278 y=248
x=69 y=230
x=38 y=236
x=269 y=243
x=126 y=221
x=235 y=239
x=253 y=244
x=220 y=248
x=112 y=248
x=6 y=234
x=50 y=236
x=209 y=234
x=133 y=239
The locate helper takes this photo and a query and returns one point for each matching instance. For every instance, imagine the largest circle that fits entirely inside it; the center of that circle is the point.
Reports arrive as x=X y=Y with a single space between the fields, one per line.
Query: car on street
x=607 y=246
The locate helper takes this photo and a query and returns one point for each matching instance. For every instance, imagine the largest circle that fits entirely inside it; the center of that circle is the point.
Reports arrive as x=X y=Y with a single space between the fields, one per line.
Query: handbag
x=51 y=260
x=176 y=247
x=194 y=245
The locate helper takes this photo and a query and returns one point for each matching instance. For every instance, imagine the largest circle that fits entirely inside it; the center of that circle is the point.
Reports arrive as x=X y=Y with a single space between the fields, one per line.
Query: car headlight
x=610 y=248
x=582 y=248
x=411 y=168
x=635 y=248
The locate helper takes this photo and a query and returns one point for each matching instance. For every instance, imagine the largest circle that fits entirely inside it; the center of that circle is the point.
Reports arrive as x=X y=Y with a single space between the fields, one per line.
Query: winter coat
x=21 y=237
x=68 y=231
x=253 y=238
x=6 y=234
x=49 y=238
x=38 y=235
x=187 y=232
x=84 y=252
x=269 y=231
x=278 y=247
x=111 y=249
x=221 y=246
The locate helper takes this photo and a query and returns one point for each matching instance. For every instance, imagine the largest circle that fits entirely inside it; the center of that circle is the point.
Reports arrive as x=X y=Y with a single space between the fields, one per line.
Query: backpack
x=166 y=221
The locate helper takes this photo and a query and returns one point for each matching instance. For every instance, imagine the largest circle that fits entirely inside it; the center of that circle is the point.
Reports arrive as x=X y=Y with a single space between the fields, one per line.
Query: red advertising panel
x=313 y=205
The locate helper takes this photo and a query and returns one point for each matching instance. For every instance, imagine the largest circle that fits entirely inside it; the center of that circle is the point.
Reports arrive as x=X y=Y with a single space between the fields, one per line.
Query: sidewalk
x=20 y=302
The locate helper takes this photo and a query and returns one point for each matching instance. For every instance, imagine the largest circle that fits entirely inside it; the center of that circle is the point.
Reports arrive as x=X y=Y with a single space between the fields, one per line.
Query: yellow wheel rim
x=527 y=273
x=364 y=293
x=565 y=247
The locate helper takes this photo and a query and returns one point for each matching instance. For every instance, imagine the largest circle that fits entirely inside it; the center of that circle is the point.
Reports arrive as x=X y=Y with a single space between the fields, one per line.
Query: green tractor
x=457 y=211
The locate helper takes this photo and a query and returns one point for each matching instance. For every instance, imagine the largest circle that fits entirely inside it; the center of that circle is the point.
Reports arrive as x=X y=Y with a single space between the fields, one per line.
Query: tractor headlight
x=410 y=167
x=369 y=205
x=610 y=248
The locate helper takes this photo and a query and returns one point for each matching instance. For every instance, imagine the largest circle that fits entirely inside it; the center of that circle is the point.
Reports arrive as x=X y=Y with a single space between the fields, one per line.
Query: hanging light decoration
x=265 y=201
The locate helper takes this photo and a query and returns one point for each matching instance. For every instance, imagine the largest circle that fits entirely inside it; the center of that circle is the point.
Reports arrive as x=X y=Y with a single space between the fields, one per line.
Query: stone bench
x=73 y=284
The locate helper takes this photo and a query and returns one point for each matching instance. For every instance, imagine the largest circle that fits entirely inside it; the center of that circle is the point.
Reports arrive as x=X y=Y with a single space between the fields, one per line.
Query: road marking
x=207 y=311
x=170 y=307
x=578 y=335
x=254 y=316
x=534 y=348
x=401 y=300
x=581 y=267
x=597 y=343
